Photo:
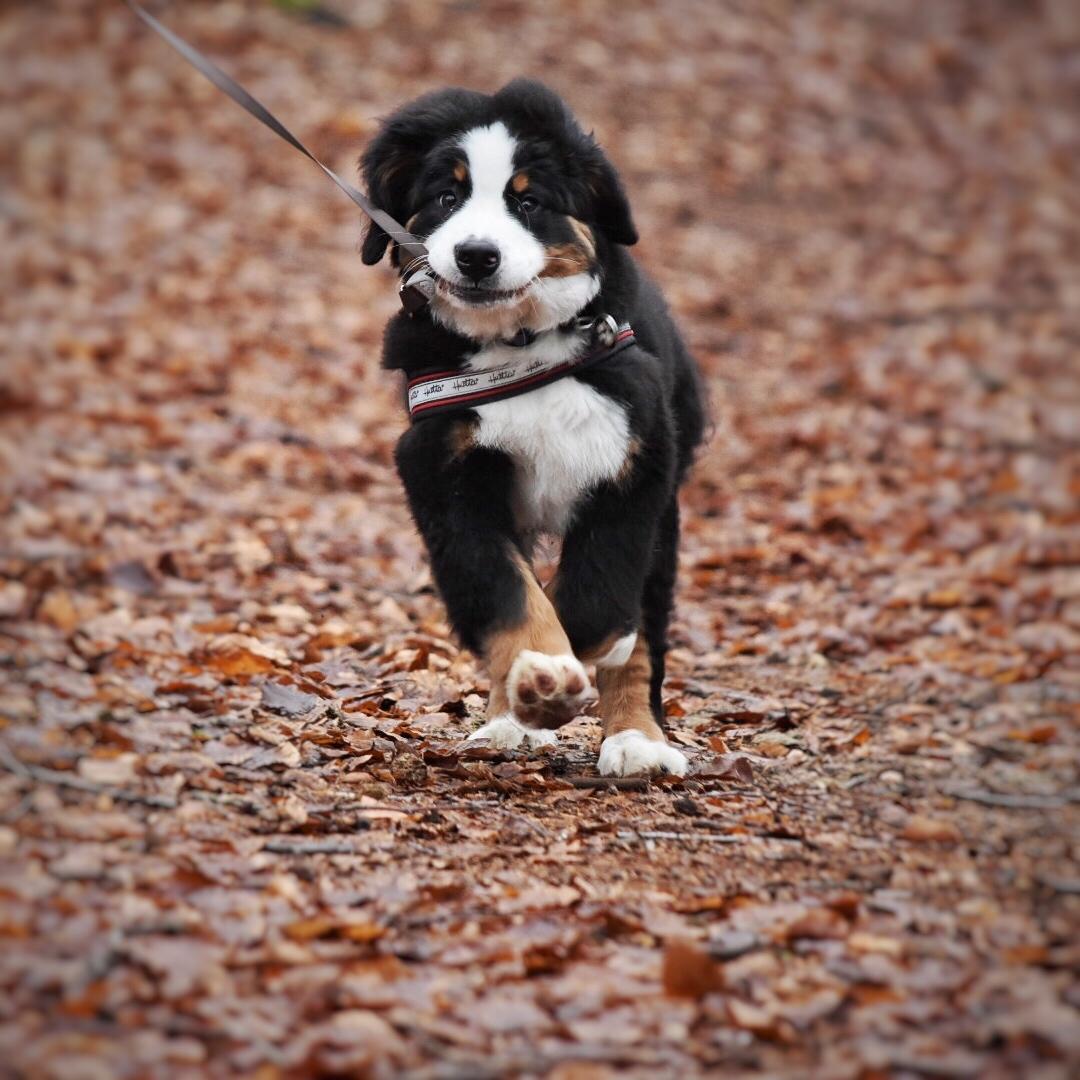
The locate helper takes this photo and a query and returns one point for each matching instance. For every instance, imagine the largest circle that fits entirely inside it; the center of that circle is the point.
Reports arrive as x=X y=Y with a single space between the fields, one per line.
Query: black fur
x=617 y=571
x=571 y=164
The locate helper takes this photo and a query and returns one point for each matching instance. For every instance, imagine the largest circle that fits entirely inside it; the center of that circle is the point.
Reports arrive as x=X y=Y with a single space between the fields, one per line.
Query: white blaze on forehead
x=490 y=154
x=484 y=215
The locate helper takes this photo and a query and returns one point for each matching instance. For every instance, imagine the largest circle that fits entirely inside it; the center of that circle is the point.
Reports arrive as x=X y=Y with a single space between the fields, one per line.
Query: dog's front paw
x=505 y=733
x=547 y=691
x=631 y=753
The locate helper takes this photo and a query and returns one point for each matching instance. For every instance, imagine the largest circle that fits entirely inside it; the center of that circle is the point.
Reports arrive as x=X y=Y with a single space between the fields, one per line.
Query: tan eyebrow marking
x=584 y=234
x=520 y=182
x=460 y=172
x=562 y=260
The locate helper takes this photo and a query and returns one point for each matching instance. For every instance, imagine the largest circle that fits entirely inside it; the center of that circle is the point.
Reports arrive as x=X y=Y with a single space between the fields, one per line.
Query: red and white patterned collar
x=436 y=393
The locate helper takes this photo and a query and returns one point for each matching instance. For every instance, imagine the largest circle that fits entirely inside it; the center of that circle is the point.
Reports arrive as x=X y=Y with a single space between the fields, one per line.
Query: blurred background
x=866 y=216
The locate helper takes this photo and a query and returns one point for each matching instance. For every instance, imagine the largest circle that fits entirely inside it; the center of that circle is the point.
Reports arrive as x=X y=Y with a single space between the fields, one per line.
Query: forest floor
x=240 y=834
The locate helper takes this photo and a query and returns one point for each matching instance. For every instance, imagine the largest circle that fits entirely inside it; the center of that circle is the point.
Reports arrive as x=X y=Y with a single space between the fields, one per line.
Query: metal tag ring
x=605 y=331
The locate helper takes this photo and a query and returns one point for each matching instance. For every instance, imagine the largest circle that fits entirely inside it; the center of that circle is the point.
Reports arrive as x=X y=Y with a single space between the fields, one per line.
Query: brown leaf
x=689 y=971
x=59 y=609
x=1041 y=733
x=239 y=662
x=862 y=942
x=760 y=1021
x=818 y=924
x=926 y=830
x=725 y=767
x=323 y=926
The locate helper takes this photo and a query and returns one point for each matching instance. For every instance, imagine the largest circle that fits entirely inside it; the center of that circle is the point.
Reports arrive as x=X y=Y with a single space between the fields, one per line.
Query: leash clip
x=416 y=291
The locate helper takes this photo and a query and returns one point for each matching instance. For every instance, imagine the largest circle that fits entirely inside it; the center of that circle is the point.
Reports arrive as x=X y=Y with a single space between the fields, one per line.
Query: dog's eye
x=447 y=199
x=529 y=203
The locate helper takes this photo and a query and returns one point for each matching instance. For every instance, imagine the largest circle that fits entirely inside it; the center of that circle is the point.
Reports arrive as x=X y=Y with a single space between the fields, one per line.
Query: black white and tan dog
x=550 y=393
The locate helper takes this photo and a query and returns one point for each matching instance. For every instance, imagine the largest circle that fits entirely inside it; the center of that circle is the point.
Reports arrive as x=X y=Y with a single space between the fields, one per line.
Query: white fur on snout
x=484 y=215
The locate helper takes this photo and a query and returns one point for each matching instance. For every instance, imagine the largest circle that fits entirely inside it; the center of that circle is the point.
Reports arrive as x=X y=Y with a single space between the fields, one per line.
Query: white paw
x=505 y=733
x=620 y=652
x=547 y=691
x=630 y=753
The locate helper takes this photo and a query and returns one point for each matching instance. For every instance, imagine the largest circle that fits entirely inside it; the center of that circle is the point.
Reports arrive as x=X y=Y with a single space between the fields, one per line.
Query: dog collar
x=434 y=393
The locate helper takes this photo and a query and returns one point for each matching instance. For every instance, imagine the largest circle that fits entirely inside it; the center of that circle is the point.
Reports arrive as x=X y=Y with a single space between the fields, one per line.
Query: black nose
x=477 y=259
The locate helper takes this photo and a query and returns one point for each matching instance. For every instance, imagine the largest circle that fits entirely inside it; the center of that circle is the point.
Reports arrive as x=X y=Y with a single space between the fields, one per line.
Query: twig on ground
x=311 y=847
x=1015 y=801
x=224 y=798
x=620 y=783
x=663 y=834
x=1068 y=886
x=534 y=825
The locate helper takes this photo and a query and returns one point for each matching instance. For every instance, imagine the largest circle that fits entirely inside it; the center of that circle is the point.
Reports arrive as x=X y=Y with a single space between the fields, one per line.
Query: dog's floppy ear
x=611 y=208
x=391 y=162
x=389 y=158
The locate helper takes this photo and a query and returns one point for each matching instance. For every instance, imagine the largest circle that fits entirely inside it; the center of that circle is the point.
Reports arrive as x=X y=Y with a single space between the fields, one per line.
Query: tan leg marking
x=633 y=743
x=462 y=438
x=584 y=235
x=534 y=673
x=624 y=695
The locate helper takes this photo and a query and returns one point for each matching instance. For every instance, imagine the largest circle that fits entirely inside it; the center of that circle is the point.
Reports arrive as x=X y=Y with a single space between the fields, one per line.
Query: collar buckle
x=601 y=329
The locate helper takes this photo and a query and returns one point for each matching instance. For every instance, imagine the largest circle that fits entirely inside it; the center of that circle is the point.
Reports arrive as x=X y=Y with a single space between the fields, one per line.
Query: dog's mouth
x=477 y=295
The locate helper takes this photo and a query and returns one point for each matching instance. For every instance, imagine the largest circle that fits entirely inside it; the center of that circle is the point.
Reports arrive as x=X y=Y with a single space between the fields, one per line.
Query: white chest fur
x=564 y=439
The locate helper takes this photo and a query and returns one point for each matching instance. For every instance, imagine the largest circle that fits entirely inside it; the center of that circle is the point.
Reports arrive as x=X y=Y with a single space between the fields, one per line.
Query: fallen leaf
x=926 y=830
x=287 y=700
x=817 y=924
x=689 y=971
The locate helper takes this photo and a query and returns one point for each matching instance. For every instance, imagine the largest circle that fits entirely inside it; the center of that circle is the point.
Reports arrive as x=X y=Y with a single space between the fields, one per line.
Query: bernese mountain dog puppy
x=527 y=227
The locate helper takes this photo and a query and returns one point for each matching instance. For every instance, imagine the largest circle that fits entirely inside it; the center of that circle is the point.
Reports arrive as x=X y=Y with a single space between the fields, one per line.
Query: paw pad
x=547 y=691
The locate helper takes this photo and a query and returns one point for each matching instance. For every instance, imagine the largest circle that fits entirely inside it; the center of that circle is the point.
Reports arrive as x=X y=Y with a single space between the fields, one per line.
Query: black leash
x=415 y=289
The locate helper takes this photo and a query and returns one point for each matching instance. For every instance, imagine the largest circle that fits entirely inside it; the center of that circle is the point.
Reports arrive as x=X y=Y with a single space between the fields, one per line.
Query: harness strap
x=436 y=393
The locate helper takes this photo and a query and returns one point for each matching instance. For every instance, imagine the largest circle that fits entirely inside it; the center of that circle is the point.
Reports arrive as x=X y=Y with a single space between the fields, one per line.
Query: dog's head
x=513 y=200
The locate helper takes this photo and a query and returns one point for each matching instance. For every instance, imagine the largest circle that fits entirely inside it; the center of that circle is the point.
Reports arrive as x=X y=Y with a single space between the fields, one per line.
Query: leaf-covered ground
x=239 y=833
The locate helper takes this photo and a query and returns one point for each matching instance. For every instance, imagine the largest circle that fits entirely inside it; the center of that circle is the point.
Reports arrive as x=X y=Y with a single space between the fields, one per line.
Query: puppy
x=550 y=393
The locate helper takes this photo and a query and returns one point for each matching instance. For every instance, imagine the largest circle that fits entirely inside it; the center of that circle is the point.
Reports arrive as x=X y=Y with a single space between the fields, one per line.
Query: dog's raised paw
x=547 y=691
x=505 y=733
x=632 y=753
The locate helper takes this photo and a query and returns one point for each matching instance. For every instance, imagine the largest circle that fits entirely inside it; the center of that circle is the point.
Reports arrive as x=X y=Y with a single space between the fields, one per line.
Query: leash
x=434 y=393
x=430 y=392
x=416 y=288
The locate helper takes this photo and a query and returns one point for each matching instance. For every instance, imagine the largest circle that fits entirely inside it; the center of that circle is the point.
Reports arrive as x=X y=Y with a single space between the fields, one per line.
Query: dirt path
x=238 y=832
